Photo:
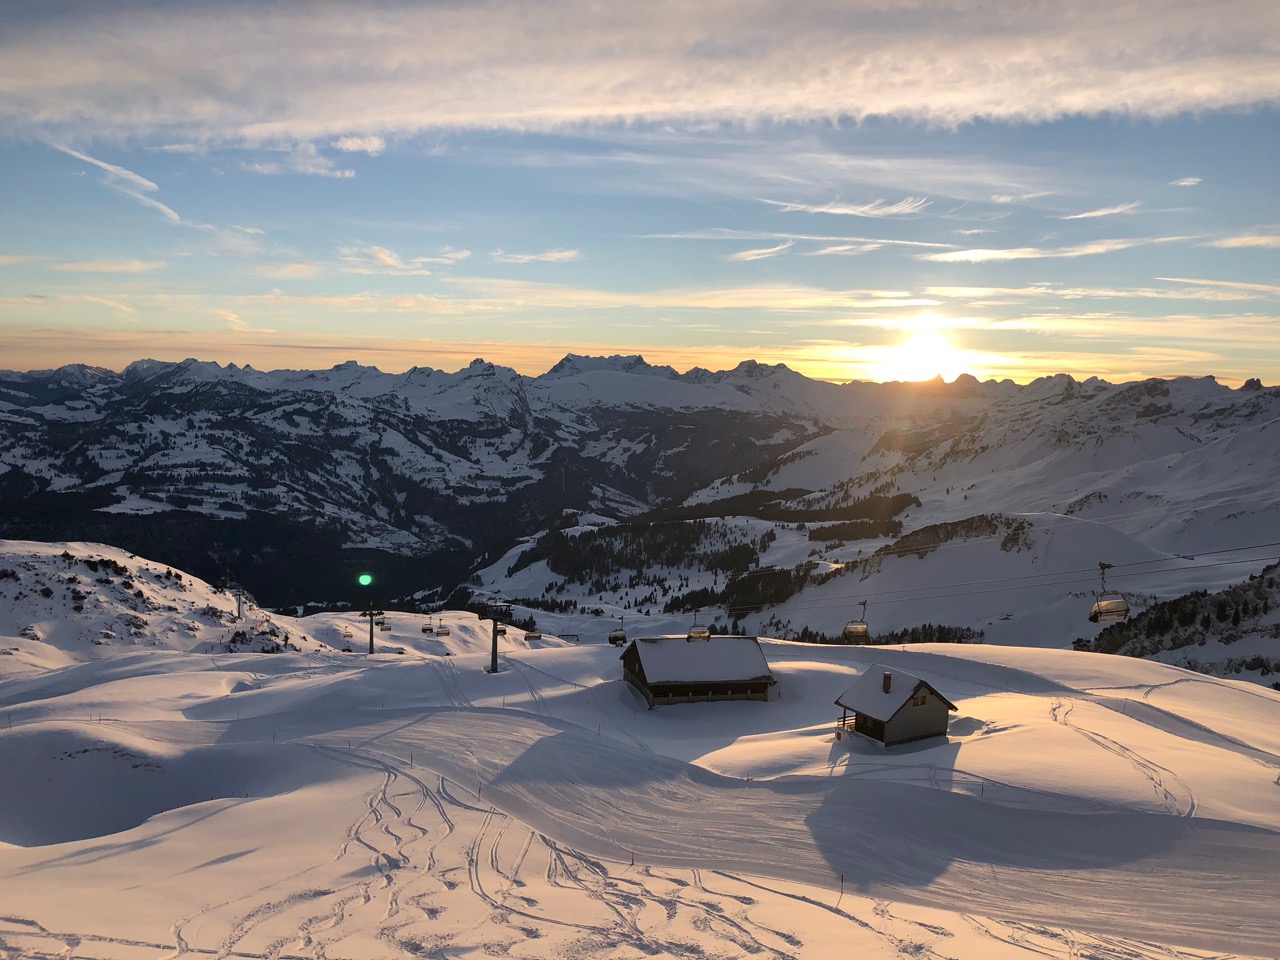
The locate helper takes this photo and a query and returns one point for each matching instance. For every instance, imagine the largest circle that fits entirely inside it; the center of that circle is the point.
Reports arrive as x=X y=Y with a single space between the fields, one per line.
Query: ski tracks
x=1172 y=793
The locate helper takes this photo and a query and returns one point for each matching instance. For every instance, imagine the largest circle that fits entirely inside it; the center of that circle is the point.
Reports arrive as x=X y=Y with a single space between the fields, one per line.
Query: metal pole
x=370 y=630
x=493 y=660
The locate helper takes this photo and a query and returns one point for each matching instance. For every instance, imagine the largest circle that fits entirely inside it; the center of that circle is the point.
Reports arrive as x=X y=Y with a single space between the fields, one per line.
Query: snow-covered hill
x=163 y=799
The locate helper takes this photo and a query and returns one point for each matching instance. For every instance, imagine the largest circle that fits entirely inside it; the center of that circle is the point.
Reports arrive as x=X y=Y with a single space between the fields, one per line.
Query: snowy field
x=162 y=799
x=161 y=804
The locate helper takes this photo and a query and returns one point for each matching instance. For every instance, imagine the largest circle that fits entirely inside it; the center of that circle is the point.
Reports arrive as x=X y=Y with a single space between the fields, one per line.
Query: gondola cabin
x=442 y=630
x=1109 y=610
x=891 y=707
x=530 y=635
x=855 y=631
x=1110 y=607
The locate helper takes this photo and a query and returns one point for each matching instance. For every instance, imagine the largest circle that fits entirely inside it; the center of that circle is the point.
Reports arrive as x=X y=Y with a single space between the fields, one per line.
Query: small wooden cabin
x=892 y=706
x=687 y=670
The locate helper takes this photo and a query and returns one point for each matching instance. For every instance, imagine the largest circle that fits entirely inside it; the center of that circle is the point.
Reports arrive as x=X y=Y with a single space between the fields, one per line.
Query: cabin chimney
x=887 y=682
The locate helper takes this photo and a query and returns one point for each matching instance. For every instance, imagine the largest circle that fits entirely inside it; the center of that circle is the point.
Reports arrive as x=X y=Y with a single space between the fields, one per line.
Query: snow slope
x=160 y=802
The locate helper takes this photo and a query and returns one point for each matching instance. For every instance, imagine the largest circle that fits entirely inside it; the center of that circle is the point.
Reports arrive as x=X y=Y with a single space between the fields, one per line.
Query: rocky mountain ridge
x=292 y=480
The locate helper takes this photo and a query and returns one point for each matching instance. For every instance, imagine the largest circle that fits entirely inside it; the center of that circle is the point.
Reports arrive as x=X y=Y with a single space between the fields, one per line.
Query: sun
x=922 y=356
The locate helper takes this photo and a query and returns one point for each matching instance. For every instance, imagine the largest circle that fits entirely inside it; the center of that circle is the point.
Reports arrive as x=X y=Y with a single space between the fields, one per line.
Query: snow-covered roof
x=868 y=696
x=679 y=660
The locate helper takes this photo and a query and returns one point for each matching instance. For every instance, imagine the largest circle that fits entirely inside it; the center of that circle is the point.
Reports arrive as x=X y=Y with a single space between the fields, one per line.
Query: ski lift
x=534 y=634
x=1111 y=606
x=856 y=631
x=501 y=629
x=698 y=631
x=442 y=630
x=381 y=621
x=618 y=637
x=385 y=628
x=346 y=633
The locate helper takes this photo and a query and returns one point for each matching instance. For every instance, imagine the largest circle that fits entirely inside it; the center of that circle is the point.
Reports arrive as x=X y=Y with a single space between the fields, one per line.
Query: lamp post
x=365 y=580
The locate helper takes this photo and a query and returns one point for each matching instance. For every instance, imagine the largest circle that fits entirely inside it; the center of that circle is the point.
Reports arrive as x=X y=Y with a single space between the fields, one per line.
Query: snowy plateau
x=167 y=792
x=186 y=770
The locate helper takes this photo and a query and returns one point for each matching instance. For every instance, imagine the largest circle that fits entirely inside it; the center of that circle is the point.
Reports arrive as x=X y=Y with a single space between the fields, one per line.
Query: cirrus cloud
x=253 y=73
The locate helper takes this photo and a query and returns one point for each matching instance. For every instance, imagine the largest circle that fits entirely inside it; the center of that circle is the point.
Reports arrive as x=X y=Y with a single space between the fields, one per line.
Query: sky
x=862 y=190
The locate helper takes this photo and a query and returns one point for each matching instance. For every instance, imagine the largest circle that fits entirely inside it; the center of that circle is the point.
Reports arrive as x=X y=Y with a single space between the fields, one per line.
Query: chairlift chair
x=428 y=628
x=442 y=630
x=534 y=634
x=618 y=637
x=856 y=631
x=698 y=631
x=1110 y=605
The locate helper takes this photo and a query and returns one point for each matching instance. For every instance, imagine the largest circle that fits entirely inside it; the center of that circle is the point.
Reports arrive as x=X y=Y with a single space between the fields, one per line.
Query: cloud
x=1264 y=240
x=992 y=295
x=1185 y=182
x=9 y=259
x=547 y=256
x=844 y=249
x=876 y=208
x=370 y=145
x=761 y=253
x=132 y=185
x=237 y=323
x=375 y=259
x=1105 y=211
x=1091 y=248
x=725 y=233
x=298 y=270
x=1007 y=198
x=111 y=266
x=560 y=63
x=304 y=158
x=1229 y=284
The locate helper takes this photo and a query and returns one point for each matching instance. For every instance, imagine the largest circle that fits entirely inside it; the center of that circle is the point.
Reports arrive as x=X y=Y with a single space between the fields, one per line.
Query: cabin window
x=919 y=700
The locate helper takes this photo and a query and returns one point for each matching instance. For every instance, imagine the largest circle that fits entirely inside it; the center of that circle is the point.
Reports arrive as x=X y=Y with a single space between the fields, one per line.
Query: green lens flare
x=365 y=579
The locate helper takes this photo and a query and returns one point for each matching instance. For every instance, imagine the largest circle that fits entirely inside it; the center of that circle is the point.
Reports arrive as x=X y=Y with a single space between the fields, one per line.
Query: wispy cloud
x=133 y=185
x=304 y=158
x=906 y=207
x=110 y=266
x=547 y=256
x=1185 y=182
x=1092 y=248
x=1007 y=198
x=295 y=270
x=375 y=259
x=844 y=250
x=9 y=259
x=275 y=79
x=1105 y=211
x=371 y=145
x=1230 y=284
x=761 y=253
x=725 y=233
x=988 y=295
x=1264 y=240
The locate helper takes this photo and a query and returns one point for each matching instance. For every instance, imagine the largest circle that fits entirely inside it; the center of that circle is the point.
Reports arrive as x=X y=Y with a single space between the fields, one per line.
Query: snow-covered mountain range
x=985 y=505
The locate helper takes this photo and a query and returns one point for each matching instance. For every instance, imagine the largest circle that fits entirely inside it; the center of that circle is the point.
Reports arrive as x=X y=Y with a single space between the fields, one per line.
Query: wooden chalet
x=687 y=670
x=891 y=706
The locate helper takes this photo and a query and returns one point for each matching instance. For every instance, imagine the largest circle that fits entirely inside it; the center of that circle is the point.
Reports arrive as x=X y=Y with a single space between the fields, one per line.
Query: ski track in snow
x=1171 y=791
